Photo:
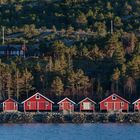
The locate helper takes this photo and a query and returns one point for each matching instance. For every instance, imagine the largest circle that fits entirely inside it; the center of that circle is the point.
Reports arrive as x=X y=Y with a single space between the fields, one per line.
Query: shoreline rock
x=77 y=118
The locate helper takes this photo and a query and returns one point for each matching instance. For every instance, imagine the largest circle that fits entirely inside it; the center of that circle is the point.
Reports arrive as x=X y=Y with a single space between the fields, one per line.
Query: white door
x=86 y=106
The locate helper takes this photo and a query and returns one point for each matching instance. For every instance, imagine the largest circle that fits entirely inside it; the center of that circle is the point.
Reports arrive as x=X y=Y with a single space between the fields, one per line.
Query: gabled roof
x=136 y=101
x=10 y=99
x=87 y=99
x=116 y=96
x=66 y=99
x=3 y=47
x=40 y=95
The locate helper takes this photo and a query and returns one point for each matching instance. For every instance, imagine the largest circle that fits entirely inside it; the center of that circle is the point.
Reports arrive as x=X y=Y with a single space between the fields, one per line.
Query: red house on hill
x=66 y=105
x=114 y=103
x=136 y=105
x=38 y=102
x=10 y=105
x=87 y=105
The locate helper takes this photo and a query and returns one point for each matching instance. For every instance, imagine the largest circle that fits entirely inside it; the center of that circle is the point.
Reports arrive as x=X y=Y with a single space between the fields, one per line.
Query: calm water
x=70 y=132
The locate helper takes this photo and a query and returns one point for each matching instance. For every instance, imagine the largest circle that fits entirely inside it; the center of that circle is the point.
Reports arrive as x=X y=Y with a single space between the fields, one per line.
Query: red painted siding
x=92 y=105
x=66 y=105
x=10 y=105
x=35 y=104
x=137 y=105
x=114 y=105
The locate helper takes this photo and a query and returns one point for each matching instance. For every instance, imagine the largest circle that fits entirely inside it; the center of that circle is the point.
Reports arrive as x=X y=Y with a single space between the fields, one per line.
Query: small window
x=47 y=103
x=92 y=104
x=105 y=104
x=122 y=103
x=37 y=96
x=113 y=97
x=136 y=104
x=29 y=103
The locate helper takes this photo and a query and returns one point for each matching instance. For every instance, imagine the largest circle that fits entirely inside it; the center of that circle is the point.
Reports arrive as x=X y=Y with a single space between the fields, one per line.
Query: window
x=122 y=103
x=105 y=104
x=61 y=105
x=47 y=103
x=37 y=96
x=113 y=97
x=92 y=104
x=29 y=103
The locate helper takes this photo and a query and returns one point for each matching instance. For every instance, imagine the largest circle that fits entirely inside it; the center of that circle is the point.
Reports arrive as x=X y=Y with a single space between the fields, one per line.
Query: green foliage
x=57 y=86
x=78 y=51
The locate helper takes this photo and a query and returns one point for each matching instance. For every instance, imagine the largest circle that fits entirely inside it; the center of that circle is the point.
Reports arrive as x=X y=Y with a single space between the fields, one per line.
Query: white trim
x=40 y=95
x=24 y=108
x=11 y=110
x=127 y=107
x=66 y=99
x=3 y=106
x=87 y=99
x=37 y=106
x=51 y=107
x=116 y=96
x=136 y=101
x=10 y=99
x=114 y=106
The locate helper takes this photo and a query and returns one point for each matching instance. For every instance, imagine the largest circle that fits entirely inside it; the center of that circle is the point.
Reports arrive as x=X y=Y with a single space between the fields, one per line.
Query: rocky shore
x=20 y=117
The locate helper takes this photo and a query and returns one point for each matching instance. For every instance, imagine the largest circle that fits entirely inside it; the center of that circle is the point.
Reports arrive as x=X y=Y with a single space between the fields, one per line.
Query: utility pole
x=111 y=27
x=3 y=35
x=24 y=48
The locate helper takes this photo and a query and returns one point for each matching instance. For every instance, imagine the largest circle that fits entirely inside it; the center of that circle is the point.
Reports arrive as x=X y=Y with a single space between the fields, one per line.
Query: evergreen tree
x=57 y=86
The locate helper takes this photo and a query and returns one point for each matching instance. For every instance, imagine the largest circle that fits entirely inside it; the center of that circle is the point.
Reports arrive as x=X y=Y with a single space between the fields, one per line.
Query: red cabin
x=38 y=102
x=10 y=105
x=137 y=105
x=87 y=105
x=114 y=103
x=66 y=105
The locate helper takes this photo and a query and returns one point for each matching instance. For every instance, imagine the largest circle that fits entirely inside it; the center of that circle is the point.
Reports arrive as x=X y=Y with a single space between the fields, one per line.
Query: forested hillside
x=86 y=48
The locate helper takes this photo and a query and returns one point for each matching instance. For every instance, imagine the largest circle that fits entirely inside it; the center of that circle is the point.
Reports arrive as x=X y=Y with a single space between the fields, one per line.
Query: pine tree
x=28 y=82
x=77 y=80
x=118 y=56
x=57 y=86
x=115 y=80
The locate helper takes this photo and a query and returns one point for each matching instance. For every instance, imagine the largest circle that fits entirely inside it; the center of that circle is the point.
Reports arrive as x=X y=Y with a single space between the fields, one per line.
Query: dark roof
x=9 y=47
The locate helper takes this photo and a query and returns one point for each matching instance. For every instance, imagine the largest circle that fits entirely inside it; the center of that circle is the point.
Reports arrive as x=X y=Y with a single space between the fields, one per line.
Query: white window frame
x=37 y=96
x=122 y=103
x=29 y=103
x=114 y=97
x=105 y=103
x=136 y=103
